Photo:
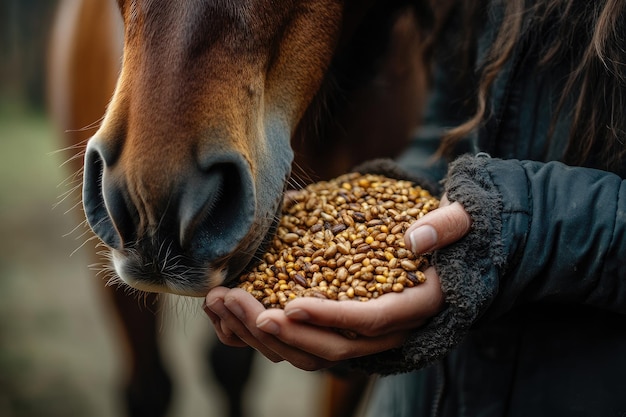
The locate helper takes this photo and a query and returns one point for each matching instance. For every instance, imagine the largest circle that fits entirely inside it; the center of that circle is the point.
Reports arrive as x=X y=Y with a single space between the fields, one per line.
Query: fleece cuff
x=468 y=270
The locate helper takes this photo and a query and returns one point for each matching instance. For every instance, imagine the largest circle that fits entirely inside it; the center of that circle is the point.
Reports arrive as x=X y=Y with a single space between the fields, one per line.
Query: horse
x=207 y=107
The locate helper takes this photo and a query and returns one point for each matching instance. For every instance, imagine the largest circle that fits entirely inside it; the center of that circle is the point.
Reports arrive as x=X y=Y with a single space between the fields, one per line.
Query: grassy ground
x=59 y=352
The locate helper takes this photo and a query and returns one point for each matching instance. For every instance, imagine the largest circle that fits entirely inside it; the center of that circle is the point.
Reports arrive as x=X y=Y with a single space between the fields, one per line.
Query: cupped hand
x=313 y=333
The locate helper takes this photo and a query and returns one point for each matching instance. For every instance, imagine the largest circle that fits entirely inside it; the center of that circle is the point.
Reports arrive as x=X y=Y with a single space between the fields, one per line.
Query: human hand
x=438 y=228
x=305 y=332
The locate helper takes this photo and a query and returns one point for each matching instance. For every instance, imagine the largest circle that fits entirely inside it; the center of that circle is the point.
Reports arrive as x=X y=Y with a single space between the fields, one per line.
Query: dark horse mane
x=358 y=61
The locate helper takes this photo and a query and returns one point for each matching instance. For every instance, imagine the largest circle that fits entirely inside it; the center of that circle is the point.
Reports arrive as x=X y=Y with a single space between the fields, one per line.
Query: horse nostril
x=103 y=200
x=216 y=209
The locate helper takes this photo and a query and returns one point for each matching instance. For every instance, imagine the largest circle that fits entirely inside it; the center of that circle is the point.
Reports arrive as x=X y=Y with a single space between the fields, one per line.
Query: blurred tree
x=24 y=32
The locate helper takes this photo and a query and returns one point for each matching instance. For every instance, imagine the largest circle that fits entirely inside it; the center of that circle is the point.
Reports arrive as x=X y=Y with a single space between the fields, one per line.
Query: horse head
x=184 y=179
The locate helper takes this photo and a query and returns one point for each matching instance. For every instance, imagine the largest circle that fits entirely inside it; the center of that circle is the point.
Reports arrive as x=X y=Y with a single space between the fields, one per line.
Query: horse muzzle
x=179 y=230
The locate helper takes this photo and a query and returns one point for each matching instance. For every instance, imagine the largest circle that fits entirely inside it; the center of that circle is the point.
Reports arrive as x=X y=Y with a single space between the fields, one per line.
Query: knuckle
x=339 y=353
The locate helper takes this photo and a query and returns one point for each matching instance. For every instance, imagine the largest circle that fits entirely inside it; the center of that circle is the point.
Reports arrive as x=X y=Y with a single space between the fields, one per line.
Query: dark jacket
x=535 y=317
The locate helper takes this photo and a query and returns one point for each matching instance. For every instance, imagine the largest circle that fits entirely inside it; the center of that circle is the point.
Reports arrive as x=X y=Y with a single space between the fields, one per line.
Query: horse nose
x=205 y=212
x=104 y=200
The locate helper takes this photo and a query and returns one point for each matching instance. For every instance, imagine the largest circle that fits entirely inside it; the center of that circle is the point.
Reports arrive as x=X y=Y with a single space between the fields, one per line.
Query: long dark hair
x=590 y=37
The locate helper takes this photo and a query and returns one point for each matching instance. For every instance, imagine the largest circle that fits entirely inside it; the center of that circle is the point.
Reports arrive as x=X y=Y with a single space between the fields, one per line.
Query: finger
x=230 y=324
x=241 y=314
x=438 y=228
x=224 y=334
x=389 y=313
x=323 y=342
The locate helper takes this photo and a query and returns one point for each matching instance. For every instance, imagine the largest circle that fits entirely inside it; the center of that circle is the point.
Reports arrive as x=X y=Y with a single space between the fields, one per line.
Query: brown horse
x=185 y=175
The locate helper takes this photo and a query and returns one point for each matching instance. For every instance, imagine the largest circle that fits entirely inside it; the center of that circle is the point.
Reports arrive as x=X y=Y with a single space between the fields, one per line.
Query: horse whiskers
x=175 y=311
x=77 y=156
x=74 y=182
x=75 y=230
x=76 y=178
x=74 y=207
x=73 y=147
x=63 y=198
x=91 y=126
x=82 y=245
x=165 y=303
x=106 y=270
x=74 y=187
x=300 y=176
x=295 y=184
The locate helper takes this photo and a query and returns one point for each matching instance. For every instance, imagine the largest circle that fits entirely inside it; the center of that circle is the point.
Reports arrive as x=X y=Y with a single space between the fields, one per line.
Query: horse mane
x=357 y=64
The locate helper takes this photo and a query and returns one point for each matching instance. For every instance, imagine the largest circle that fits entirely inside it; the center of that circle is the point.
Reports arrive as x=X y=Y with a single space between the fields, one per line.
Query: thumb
x=438 y=228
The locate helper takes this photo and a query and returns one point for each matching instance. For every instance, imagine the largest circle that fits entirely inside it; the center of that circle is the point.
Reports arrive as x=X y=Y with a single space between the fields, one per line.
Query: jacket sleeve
x=557 y=233
x=541 y=233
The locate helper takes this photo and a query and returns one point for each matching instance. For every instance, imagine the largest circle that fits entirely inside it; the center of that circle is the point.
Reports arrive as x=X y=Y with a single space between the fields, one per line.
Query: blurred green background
x=54 y=348
x=59 y=352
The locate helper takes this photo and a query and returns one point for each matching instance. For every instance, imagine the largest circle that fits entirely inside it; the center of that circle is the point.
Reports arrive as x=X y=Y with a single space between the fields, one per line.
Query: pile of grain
x=343 y=240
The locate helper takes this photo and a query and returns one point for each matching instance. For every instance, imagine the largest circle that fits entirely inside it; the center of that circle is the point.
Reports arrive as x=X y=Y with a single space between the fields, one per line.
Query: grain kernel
x=290 y=237
x=408 y=265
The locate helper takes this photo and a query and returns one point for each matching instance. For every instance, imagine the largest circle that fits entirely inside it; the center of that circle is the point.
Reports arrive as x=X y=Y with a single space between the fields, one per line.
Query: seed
x=290 y=237
x=417 y=277
x=300 y=280
x=338 y=228
x=359 y=257
x=310 y=221
x=397 y=229
x=402 y=253
x=344 y=248
x=354 y=268
x=408 y=265
x=360 y=290
x=363 y=248
x=330 y=252
x=342 y=240
x=327 y=217
x=358 y=217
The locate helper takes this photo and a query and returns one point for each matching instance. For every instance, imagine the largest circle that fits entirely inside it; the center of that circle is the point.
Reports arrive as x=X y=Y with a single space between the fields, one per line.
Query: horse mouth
x=161 y=267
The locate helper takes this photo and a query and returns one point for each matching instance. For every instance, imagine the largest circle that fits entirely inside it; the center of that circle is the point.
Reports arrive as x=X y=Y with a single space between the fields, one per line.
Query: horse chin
x=131 y=268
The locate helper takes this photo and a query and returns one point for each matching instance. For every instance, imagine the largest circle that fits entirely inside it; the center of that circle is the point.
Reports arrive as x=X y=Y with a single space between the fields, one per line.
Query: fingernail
x=268 y=326
x=297 y=314
x=423 y=239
